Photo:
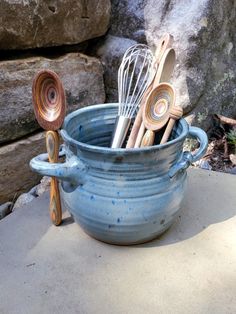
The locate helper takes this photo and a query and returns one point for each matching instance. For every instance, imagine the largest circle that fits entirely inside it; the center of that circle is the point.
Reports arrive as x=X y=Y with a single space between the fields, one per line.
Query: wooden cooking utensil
x=156 y=111
x=176 y=113
x=49 y=108
x=163 y=74
x=165 y=42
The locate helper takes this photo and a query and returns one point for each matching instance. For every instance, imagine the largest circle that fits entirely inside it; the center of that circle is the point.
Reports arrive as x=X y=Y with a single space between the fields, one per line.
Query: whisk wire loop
x=134 y=76
x=140 y=90
x=131 y=86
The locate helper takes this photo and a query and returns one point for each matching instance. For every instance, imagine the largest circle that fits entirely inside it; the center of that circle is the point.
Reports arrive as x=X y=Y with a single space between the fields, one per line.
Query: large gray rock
x=204 y=34
x=22 y=200
x=30 y=24
x=111 y=51
x=5 y=209
x=127 y=19
x=15 y=174
x=82 y=77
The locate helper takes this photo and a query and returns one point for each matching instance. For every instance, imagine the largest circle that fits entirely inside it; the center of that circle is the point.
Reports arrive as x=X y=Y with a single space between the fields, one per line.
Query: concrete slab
x=190 y=269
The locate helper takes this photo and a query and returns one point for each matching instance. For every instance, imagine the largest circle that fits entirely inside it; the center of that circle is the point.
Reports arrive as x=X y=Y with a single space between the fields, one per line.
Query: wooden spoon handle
x=55 y=203
x=52 y=144
x=168 y=130
x=148 y=138
x=133 y=140
x=140 y=135
x=175 y=114
x=135 y=128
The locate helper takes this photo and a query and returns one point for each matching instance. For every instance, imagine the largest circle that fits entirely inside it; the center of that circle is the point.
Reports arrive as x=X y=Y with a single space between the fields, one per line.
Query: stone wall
x=26 y=26
x=82 y=77
x=30 y=24
x=204 y=40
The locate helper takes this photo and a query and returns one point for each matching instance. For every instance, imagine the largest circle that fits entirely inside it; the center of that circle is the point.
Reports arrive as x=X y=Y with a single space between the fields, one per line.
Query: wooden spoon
x=163 y=74
x=156 y=111
x=176 y=113
x=165 y=42
x=49 y=108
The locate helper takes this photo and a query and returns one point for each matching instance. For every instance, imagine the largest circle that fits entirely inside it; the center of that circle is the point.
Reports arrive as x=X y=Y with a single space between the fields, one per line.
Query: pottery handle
x=72 y=170
x=187 y=157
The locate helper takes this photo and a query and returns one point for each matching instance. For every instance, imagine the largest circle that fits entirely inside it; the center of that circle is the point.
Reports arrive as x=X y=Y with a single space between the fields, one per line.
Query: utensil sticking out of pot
x=164 y=65
x=49 y=108
x=176 y=112
x=156 y=111
x=134 y=76
x=163 y=74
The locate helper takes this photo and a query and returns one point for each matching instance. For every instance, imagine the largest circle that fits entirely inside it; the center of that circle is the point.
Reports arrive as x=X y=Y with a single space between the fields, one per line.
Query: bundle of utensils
x=146 y=96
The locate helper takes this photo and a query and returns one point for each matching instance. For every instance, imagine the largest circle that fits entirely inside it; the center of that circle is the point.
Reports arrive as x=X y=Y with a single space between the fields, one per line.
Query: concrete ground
x=190 y=269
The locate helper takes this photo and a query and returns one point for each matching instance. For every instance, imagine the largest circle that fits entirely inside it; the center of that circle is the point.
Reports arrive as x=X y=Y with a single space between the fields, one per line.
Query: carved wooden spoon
x=164 y=71
x=49 y=108
x=156 y=111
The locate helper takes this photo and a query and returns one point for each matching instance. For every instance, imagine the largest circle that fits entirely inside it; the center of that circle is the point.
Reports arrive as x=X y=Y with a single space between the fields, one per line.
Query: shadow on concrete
x=67 y=221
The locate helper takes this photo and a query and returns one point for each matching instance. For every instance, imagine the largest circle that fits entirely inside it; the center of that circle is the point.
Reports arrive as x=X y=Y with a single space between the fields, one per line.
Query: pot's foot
x=129 y=239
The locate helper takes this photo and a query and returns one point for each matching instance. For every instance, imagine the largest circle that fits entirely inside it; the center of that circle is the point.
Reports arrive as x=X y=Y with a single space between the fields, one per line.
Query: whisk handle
x=121 y=128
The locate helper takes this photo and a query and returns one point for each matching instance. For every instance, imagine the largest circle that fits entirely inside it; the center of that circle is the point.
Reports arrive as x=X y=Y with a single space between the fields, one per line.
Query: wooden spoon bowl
x=156 y=112
x=48 y=100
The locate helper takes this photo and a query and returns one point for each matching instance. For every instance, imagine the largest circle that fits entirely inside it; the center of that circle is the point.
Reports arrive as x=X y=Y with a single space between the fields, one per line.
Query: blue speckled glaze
x=120 y=196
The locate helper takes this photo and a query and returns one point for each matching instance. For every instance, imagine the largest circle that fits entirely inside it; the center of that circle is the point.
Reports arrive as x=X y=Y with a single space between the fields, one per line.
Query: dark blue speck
x=80 y=127
x=113 y=202
x=118 y=220
x=92 y=197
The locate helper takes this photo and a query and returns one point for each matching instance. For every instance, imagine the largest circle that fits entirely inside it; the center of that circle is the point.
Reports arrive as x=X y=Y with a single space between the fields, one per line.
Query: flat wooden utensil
x=165 y=42
x=49 y=108
x=156 y=111
x=164 y=72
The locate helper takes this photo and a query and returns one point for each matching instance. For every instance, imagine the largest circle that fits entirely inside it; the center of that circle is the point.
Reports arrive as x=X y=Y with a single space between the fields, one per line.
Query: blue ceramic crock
x=120 y=196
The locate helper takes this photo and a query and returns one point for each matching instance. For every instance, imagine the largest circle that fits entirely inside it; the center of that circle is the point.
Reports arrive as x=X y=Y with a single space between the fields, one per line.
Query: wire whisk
x=135 y=73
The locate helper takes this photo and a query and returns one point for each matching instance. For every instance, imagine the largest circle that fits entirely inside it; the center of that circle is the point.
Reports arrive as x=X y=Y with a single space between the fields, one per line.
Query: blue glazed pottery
x=120 y=196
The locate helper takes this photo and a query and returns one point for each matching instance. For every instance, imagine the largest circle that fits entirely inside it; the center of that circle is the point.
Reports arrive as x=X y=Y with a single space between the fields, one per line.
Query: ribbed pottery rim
x=108 y=150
